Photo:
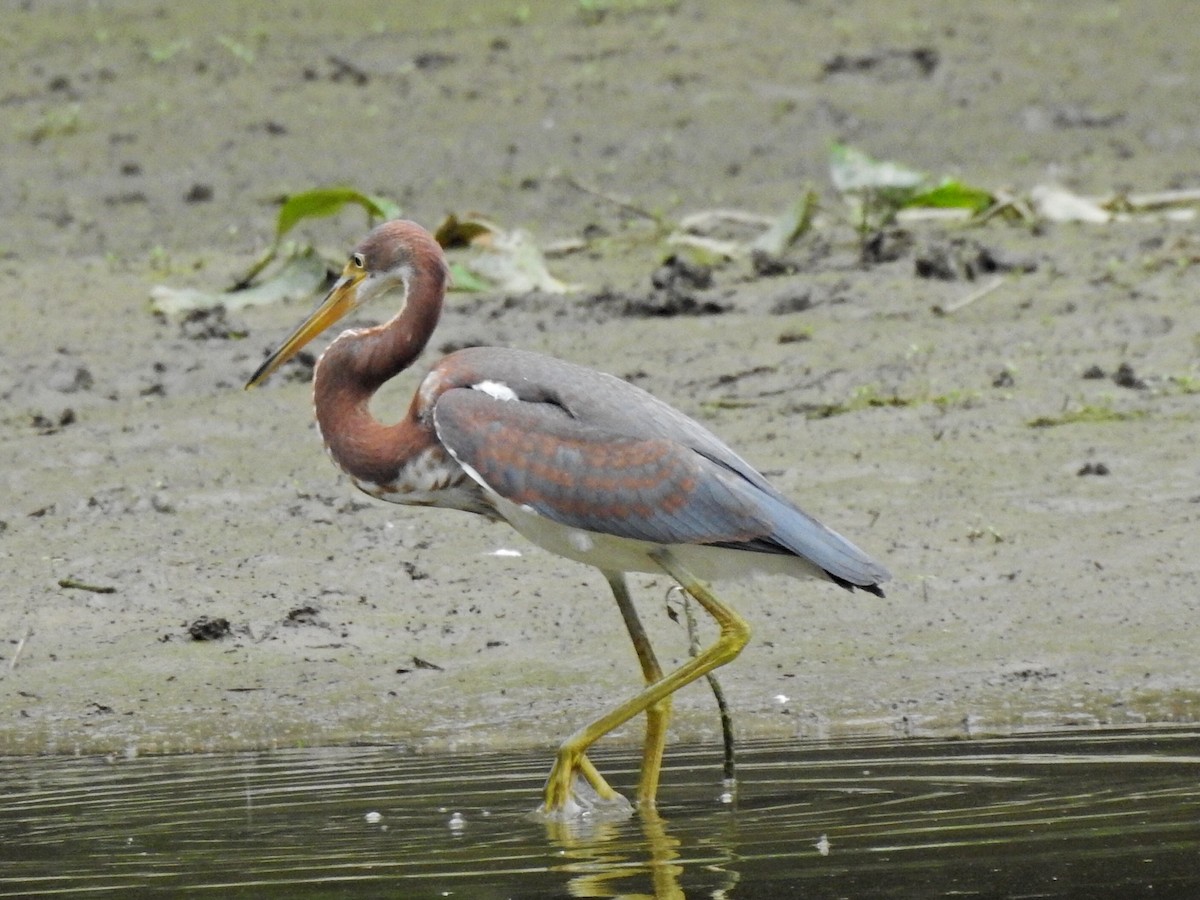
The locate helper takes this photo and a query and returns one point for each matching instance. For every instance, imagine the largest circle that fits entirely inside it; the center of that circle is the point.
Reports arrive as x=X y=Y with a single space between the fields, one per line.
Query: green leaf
x=463 y=279
x=953 y=195
x=384 y=208
x=323 y=202
x=314 y=204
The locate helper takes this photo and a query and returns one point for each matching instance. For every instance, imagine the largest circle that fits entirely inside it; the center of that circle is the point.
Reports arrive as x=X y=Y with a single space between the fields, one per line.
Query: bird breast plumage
x=431 y=478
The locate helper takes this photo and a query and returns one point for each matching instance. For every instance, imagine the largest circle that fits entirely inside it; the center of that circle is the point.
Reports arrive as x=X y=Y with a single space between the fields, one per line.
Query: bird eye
x=358 y=261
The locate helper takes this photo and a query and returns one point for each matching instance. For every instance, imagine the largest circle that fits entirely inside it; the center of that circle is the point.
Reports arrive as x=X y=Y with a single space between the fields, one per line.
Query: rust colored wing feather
x=650 y=489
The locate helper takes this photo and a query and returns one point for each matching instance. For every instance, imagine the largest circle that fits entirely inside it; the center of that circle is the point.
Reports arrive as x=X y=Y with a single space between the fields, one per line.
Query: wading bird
x=581 y=463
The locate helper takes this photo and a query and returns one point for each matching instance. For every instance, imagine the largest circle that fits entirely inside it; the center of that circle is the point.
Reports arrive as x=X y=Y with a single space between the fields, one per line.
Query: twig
x=707 y=219
x=1007 y=203
x=267 y=258
x=621 y=202
x=966 y=301
x=12 y=663
x=1150 y=200
x=722 y=707
x=84 y=586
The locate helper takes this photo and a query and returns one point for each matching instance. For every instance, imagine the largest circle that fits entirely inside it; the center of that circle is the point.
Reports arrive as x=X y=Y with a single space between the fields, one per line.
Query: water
x=1079 y=814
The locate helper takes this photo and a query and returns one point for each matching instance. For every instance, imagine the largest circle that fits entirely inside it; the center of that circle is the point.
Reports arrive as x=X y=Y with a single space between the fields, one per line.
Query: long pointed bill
x=338 y=302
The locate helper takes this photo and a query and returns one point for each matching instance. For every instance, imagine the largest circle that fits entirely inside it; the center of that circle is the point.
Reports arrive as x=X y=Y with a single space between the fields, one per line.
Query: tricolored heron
x=581 y=463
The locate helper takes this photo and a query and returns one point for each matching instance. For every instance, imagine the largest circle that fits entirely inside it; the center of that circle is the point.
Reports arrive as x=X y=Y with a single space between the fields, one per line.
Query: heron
x=582 y=463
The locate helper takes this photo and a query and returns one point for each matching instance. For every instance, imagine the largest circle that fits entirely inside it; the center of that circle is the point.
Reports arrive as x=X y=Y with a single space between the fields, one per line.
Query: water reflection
x=1077 y=814
x=601 y=863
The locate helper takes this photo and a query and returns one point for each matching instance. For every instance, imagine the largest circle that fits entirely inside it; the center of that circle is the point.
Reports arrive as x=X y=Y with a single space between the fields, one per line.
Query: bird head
x=383 y=261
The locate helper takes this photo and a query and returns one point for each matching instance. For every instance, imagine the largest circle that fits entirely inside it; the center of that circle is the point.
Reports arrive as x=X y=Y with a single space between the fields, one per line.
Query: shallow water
x=1067 y=814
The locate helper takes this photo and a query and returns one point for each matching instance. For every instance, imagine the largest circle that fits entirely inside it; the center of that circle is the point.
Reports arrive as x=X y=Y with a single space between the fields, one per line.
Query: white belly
x=618 y=554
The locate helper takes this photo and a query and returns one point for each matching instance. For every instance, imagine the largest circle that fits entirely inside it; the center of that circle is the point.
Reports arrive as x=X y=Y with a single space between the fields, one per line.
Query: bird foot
x=579 y=793
x=584 y=803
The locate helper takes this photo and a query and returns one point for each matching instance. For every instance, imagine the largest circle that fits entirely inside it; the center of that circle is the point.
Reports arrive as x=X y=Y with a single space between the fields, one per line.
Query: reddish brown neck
x=358 y=363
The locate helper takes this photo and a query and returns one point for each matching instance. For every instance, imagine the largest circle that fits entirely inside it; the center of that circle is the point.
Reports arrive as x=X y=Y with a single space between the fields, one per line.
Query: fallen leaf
x=852 y=171
x=301 y=275
x=784 y=231
x=1060 y=205
x=456 y=232
x=709 y=250
x=512 y=262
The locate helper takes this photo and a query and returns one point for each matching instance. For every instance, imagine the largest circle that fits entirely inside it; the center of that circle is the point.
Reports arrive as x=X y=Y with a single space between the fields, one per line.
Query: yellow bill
x=339 y=301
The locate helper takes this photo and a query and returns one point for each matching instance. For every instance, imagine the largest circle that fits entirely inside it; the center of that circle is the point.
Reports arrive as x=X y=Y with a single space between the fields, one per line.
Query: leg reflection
x=611 y=859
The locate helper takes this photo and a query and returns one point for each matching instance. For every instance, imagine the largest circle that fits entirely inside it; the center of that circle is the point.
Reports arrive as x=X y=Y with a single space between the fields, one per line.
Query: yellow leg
x=657 y=714
x=559 y=802
x=657 y=717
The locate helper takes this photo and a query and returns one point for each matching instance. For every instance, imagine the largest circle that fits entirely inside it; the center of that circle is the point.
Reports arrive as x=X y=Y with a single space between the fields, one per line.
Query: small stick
x=84 y=586
x=1006 y=202
x=1153 y=199
x=966 y=301
x=710 y=218
x=621 y=202
x=12 y=664
x=718 y=693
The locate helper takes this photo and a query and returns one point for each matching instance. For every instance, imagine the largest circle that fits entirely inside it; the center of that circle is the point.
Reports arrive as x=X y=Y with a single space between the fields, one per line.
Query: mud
x=1040 y=518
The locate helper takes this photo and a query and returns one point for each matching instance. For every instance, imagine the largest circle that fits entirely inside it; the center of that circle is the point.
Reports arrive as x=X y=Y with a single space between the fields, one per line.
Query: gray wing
x=594 y=452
